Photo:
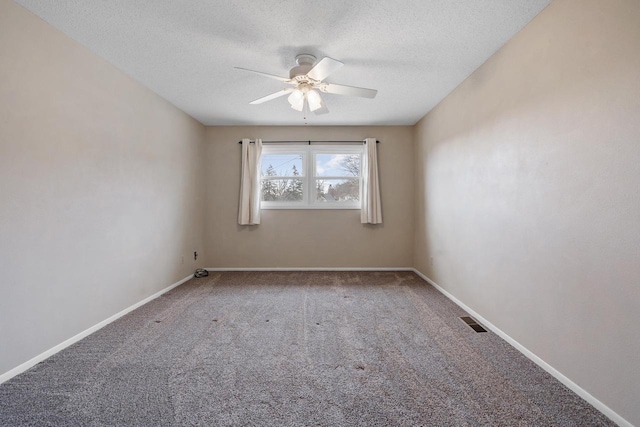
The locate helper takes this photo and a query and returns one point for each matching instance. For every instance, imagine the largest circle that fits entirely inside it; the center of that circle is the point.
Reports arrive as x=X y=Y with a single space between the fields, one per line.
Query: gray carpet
x=293 y=349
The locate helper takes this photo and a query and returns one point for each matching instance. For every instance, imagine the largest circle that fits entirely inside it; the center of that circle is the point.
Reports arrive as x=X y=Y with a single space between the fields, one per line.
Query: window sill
x=307 y=207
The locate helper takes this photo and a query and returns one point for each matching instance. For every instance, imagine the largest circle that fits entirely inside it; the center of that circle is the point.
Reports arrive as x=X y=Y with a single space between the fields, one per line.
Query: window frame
x=309 y=176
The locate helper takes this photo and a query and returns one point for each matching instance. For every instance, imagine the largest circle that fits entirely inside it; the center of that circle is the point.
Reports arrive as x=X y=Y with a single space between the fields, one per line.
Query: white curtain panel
x=371 y=209
x=249 y=207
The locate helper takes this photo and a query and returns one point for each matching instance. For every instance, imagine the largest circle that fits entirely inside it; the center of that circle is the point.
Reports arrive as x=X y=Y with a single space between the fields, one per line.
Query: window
x=311 y=176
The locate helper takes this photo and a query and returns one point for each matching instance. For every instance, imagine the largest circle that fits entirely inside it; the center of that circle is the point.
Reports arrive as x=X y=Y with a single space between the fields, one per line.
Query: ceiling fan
x=307 y=81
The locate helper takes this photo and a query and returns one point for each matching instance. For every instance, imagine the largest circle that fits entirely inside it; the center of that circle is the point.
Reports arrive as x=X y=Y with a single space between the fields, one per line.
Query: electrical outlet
x=182 y=259
x=195 y=255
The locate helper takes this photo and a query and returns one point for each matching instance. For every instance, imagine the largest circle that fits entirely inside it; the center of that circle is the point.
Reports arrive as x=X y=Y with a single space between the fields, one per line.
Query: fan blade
x=349 y=90
x=322 y=69
x=283 y=92
x=282 y=79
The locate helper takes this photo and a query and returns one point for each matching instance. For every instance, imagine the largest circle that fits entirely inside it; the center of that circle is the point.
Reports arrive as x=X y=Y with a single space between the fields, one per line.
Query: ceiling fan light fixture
x=296 y=96
x=296 y=99
x=315 y=101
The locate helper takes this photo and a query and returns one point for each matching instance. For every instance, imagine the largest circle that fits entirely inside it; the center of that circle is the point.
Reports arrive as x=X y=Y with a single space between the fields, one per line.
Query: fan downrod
x=305 y=59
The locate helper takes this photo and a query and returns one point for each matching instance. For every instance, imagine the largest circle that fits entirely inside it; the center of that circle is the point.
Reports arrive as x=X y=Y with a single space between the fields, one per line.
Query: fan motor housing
x=305 y=64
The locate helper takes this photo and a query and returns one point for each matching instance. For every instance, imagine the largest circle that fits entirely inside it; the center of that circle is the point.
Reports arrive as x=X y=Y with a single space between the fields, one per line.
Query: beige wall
x=309 y=238
x=527 y=194
x=100 y=189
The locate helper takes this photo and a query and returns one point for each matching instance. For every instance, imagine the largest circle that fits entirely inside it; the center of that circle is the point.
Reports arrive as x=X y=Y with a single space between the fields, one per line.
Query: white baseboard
x=39 y=358
x=608 y=412
x=312 y=269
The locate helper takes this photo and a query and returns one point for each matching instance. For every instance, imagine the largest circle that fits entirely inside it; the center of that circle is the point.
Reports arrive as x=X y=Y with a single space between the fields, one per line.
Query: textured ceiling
x=414 y=52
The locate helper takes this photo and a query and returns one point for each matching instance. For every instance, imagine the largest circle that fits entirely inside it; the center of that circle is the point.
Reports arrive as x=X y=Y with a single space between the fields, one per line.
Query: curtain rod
x=307 y=142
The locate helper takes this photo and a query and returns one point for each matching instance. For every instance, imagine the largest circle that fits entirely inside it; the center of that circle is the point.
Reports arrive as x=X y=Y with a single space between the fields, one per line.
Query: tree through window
x=340 y=177
x=311 y=177
x=281 y=177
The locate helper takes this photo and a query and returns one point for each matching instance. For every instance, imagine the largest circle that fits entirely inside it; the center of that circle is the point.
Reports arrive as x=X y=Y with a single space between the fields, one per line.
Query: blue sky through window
x=333 y=164
x=282 y=163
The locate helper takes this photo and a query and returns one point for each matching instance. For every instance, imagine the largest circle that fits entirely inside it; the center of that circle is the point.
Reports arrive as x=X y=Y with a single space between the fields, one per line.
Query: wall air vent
x=473 y=324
